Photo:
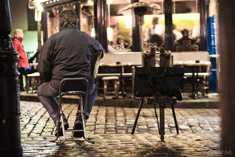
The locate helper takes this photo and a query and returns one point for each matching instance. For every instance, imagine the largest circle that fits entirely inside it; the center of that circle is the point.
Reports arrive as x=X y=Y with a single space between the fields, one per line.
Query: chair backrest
x=74 y=84
x=95 y=62
x=187 y=46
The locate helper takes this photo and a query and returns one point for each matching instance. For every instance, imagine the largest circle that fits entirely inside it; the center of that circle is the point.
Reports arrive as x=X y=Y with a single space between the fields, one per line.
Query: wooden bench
x=130 y=59
x=33 y=80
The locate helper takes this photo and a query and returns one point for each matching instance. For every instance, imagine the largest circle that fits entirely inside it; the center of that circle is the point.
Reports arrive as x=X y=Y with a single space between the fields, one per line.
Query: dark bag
x=159 y=81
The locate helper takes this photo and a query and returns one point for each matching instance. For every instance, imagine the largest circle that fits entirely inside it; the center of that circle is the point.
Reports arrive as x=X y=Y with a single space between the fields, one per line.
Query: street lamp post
x=10 y=141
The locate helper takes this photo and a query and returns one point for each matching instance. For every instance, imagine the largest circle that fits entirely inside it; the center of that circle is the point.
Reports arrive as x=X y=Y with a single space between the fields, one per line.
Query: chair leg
x=176 y=125
x=60 y=118
x=137 y=116
x=83 y=113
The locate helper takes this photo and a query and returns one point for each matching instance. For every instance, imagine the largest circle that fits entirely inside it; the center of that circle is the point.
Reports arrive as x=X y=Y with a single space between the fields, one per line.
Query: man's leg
x=89 y=105
x=21 y=70
x=91 y=101
x=46 y=95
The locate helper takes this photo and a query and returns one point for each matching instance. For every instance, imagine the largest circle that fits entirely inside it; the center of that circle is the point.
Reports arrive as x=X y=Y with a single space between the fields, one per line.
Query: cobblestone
x=110 y=128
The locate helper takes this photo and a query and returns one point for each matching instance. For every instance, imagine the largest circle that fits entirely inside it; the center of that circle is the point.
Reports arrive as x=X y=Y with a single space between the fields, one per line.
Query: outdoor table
x=195 y=69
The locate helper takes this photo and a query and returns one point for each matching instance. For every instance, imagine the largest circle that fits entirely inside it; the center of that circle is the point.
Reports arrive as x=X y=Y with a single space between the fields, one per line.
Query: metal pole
x=39 y=35
x=101 y=22
x=168 y=25
x=10 y=141
x=136 y=27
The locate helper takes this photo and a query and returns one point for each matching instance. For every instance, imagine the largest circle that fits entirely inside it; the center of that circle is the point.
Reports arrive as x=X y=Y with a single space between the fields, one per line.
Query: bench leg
x=137 y=116
x=173 y=112
x=105 y=87
x=116 y=88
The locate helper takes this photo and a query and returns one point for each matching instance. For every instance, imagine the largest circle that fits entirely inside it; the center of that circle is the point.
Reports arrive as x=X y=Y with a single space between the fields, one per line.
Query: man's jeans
x=46 y=94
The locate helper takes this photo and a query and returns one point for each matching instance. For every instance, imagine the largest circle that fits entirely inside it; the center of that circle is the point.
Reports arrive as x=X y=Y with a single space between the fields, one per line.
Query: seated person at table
x=111 y=48
x=186 y=43
x=121 y=43
x=185 y=37
x=67 y=54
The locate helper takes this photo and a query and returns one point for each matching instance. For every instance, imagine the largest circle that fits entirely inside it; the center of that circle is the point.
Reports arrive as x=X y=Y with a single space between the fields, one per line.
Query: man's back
x=68 y=53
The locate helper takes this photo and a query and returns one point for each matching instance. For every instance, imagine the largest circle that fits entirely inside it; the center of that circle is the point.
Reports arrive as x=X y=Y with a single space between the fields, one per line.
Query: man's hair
x=68 y=18
x=155 y=19
x=184 y=31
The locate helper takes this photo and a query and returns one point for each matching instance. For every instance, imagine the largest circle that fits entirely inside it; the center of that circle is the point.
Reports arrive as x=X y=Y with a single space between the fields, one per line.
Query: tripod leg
x=162 y=121
x=137 y=116
x=176 y=125
x=157 y=118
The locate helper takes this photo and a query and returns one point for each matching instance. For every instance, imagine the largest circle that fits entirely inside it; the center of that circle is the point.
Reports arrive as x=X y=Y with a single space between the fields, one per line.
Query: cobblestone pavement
x=110 y=128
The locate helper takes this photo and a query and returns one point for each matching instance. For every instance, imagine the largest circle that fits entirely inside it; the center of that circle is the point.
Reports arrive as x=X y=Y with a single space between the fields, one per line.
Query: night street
x=110 y=128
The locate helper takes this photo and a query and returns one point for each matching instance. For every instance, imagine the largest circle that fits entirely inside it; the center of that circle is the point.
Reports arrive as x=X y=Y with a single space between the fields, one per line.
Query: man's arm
x=45 y=62
x=147 y=34
x=95 y=45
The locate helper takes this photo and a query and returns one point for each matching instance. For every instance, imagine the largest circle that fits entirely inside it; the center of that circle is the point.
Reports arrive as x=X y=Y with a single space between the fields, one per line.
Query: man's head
x=155 y=20
x=68 y=18
x=185 y=32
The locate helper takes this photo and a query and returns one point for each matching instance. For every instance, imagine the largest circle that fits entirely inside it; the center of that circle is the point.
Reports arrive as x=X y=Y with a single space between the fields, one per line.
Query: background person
x=23 y=62
x=177 y=34
x=67 y=54
x=121 y=43
x=154 y=29
x=185 y=37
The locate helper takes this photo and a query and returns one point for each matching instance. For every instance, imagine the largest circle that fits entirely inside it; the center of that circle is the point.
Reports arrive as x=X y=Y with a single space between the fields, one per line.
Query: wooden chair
x=106 y=81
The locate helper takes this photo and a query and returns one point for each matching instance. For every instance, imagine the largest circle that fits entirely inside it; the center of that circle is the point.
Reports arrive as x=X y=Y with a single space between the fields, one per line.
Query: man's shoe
x=23 y=89
x=78 y=126
x=66 y=126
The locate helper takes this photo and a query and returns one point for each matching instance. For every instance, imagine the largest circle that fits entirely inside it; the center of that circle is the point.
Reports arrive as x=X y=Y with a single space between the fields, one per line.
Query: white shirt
x=159 y=30
x=177 y=34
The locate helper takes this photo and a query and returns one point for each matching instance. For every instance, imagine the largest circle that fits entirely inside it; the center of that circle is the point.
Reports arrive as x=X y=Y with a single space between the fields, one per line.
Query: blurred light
x=93 y=32
x=37 y=15
x=128 y=21
x=110 y=33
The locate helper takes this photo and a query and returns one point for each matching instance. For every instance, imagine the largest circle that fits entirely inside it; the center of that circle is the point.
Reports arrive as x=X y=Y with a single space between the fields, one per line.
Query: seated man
x=67 y=54
x=185 y=37
x=186 y=43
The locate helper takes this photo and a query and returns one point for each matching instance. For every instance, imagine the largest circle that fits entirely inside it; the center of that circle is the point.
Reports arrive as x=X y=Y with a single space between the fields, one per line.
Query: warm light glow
x=40 y=1
x=93 y=32
x=128 y=21
x=110 y=34
x=37 y=15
